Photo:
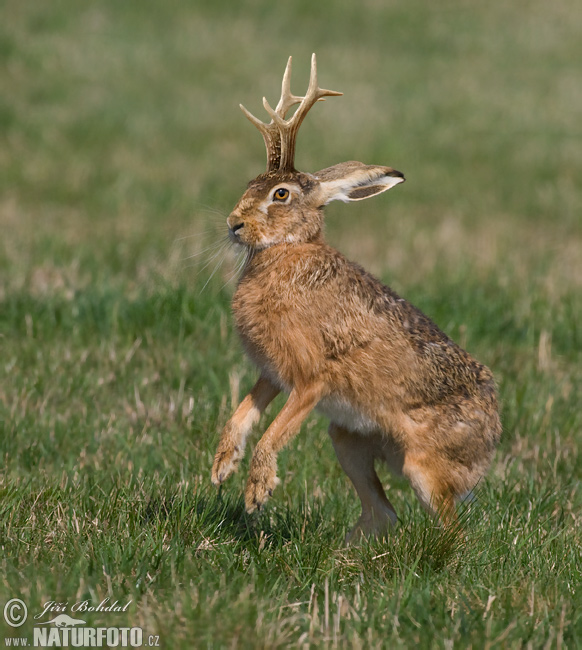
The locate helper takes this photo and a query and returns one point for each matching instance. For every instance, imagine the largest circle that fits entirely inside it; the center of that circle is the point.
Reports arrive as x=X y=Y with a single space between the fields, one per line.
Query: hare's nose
x=236 y=227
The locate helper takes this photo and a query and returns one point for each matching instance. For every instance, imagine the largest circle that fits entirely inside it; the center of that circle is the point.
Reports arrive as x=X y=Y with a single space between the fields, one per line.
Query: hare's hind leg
x=356 y=454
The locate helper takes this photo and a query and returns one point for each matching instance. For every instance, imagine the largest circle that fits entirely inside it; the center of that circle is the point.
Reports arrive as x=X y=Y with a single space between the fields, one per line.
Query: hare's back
x=372 y=322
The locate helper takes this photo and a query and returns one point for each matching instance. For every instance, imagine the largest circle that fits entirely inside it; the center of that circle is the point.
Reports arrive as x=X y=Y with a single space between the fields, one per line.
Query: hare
x=333 y=337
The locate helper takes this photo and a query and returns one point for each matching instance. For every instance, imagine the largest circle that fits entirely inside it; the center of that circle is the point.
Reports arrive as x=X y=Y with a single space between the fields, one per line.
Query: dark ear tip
x=395 y=173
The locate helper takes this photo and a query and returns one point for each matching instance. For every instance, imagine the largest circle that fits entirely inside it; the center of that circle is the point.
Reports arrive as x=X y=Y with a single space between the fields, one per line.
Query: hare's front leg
x=233 y=438
x=263 y=473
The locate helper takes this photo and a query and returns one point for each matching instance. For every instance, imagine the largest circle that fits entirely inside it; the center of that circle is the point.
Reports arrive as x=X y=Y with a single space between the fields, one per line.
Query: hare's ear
x=354 y=181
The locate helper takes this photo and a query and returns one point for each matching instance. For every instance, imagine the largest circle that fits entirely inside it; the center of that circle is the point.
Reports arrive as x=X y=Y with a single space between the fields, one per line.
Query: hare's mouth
x=250 y=241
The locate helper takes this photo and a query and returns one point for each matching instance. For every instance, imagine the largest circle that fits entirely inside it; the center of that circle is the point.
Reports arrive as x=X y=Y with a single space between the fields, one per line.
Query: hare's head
x=285 y=205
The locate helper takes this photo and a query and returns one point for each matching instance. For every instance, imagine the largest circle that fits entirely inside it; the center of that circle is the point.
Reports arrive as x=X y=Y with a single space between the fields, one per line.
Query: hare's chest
x=258 y=317
x=278 y=335
x=265 y=310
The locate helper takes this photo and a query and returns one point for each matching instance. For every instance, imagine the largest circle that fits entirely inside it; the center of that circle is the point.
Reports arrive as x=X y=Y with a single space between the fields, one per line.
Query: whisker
x=204 y=250
x=218 y=265
x=200 y=234
x=220 y=251
x=240 y=263
x=211 y=210
x=221 y=248
x=249 y=257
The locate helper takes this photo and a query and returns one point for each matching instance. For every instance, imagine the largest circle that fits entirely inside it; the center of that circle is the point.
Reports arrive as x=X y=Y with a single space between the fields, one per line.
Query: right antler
x=280 y=135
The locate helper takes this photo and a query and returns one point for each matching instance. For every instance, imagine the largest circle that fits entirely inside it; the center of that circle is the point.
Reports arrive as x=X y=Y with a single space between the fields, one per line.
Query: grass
x=122 y=150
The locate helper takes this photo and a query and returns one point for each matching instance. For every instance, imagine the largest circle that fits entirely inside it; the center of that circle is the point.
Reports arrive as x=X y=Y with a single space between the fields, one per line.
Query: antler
x=280 y=135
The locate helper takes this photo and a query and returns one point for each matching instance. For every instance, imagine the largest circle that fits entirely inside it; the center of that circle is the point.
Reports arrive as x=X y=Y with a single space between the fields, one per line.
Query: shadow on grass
x=213 y=514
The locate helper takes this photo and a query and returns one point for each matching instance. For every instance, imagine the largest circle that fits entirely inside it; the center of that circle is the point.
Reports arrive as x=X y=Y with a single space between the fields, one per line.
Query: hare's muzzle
x=234 y=229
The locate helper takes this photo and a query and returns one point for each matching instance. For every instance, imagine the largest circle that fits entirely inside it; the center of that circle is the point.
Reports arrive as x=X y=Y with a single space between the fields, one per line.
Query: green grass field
x=122 y=150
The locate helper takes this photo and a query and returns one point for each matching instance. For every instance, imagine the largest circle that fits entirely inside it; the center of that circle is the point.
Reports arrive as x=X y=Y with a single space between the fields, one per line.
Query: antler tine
x=255 y=120
x=272 y=138
x=288 y=99
x=313 y=87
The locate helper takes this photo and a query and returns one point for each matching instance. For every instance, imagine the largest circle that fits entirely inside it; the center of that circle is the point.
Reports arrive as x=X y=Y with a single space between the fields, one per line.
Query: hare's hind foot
x=369 y=526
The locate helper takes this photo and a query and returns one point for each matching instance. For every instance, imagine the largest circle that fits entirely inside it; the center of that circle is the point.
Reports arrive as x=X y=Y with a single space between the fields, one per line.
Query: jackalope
x=333 y=337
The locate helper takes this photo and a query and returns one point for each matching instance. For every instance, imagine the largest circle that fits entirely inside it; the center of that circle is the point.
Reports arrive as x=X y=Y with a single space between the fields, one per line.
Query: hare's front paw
x=225 y=463
x=262 y=481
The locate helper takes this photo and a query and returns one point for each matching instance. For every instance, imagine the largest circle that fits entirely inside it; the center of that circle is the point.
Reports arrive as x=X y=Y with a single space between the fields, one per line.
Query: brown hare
x=333 y=337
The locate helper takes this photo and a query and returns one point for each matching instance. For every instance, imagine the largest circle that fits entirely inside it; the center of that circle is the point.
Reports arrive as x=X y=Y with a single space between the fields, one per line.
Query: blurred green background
x=122 y=151
x=120 y=121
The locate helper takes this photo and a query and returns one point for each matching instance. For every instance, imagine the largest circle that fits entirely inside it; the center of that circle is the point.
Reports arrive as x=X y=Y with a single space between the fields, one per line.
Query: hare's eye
x=281 y=194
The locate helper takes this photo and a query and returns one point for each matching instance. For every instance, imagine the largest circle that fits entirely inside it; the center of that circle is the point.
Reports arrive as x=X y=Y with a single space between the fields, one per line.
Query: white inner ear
x=338 y=190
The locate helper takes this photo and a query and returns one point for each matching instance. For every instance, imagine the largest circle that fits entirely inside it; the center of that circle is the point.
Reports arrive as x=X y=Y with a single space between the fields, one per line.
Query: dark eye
x=281 y=194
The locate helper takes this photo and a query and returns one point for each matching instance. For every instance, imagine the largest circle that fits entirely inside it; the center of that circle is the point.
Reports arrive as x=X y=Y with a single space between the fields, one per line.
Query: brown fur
x=331 y=335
